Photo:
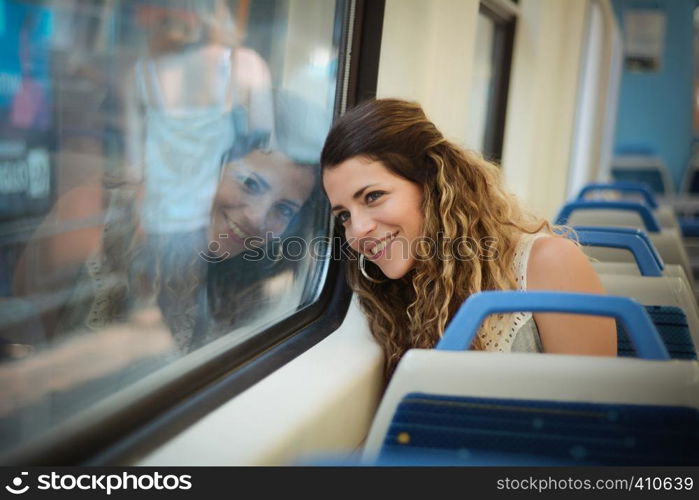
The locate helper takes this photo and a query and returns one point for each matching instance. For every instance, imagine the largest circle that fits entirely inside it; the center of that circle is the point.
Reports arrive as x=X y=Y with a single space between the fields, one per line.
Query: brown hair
x=463 y=198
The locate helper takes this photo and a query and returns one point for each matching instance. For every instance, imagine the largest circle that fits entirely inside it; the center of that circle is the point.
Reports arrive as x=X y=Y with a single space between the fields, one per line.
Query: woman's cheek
x=354 y=245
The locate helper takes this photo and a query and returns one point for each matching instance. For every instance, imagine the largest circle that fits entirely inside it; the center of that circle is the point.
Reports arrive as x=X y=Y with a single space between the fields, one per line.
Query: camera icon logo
x=16 y=487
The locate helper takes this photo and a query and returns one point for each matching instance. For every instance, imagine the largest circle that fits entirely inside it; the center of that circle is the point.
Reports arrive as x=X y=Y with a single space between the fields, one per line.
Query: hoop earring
x=363 y=271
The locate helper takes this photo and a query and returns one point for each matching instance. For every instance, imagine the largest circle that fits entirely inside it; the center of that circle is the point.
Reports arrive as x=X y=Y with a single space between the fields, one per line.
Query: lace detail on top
x=501 y=333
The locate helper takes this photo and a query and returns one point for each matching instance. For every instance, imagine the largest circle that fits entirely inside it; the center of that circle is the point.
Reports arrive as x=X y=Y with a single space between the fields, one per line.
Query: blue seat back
x=462 y=427
x=626 y=187
x=464 y=325
x=650 y=222
x=651 y=178
x=671 y=323
x=649 y=261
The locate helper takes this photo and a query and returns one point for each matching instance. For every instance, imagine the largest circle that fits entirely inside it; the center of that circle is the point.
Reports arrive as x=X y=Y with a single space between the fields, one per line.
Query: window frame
x=504 y=15
x=109 y=436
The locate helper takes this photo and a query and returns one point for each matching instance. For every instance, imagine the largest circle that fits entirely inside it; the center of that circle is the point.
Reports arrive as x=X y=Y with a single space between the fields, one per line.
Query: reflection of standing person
x=186 y=105
x=197 y=94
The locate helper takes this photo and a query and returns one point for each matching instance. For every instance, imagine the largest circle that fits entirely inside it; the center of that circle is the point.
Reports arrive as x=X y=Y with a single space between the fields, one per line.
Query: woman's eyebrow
x=261 y=180
x=355 y=195
x=295 y=204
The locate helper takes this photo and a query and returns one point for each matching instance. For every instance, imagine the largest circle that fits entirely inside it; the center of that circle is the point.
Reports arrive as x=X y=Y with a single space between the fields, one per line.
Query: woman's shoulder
x=556 y=262
x=547 y=248
x=251 y=67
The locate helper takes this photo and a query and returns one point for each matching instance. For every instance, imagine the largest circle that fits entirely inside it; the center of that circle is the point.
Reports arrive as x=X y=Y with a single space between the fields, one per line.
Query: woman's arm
x=558 y=264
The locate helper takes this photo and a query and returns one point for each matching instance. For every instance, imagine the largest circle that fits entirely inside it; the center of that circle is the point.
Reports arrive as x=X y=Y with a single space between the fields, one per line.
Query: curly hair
x=463 y=198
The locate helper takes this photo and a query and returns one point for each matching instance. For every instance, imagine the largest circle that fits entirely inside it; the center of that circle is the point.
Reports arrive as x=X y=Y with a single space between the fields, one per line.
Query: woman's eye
x=286 y=211
x=343 y=217
x=373 y=196
x=251 y=185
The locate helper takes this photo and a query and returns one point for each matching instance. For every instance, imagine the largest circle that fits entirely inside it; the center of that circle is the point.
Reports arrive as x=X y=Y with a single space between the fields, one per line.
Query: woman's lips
x=382 y=246
x=235 y=232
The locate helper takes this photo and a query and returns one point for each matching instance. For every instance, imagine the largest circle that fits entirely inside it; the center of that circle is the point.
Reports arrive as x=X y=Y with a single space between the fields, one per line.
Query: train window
x=159 y=190
x=696 y=73
x=490 y=78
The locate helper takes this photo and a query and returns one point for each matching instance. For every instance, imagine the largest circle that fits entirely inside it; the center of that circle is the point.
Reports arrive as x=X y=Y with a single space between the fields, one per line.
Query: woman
x=431 y=225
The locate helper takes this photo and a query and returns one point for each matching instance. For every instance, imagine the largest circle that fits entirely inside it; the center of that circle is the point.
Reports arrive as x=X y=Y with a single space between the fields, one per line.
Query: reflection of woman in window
x=262 y=201
x=260 y=197
x=257 y=197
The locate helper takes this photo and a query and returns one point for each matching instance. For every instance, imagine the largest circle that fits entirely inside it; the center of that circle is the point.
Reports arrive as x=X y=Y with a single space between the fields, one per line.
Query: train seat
x=525 y=408
x=668 y=242
x=631 y=269
x=668 y=299
x=673 y=327
x=665 y=214
x=669 y=304
x=649 y=169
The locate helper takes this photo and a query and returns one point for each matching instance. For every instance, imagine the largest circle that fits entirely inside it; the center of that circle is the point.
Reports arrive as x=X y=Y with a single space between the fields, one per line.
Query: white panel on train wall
x=317 y=407
x=596 y=115
x=427 y=51
x=585 y=156
x=542 y=100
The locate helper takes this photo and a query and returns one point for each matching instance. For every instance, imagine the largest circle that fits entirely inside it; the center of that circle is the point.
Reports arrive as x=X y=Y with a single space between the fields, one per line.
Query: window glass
x=159 y=189
x=481 y=83
x=490 y=81
x=696 y=73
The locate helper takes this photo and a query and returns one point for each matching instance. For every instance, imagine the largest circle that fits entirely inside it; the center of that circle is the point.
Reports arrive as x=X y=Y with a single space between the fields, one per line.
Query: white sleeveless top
x=182 y=155
x=516 y=332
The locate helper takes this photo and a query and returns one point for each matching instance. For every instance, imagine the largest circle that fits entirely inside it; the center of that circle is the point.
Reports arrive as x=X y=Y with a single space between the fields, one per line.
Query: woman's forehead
x=354 y=171
x=281 y=174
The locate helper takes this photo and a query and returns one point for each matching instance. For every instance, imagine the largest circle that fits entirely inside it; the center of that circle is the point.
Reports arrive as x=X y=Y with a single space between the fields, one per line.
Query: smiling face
x=256 y=197
x=381 y=212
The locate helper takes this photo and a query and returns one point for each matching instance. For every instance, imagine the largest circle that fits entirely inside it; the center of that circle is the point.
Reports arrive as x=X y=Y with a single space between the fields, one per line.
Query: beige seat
x=657 y=291
x=492 y=379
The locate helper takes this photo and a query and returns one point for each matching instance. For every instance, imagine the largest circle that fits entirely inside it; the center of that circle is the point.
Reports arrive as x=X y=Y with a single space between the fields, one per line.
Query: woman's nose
x=361 y=226
x=256 y=215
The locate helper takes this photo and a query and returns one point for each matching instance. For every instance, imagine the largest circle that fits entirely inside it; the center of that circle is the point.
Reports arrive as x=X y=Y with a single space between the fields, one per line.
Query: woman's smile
x=235 y=230
x=378 y=250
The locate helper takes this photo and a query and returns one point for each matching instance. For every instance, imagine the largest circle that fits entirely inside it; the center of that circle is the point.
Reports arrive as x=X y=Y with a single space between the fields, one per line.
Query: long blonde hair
x=464 y=200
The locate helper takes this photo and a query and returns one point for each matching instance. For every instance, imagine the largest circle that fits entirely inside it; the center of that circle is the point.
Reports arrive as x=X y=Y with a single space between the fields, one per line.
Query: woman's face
x=171 y=27
x=257 y=197
x=380 y=211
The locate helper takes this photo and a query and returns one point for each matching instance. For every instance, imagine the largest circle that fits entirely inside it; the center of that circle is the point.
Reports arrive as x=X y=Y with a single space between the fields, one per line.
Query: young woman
x=431 y=225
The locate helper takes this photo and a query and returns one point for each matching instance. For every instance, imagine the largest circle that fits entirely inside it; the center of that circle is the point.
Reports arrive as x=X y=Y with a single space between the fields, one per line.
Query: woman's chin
x=395 y=270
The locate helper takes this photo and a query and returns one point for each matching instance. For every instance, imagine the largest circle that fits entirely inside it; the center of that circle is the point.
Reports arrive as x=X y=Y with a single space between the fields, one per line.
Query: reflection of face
x=173 y=27
x=257 y=195
x=380 y=211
